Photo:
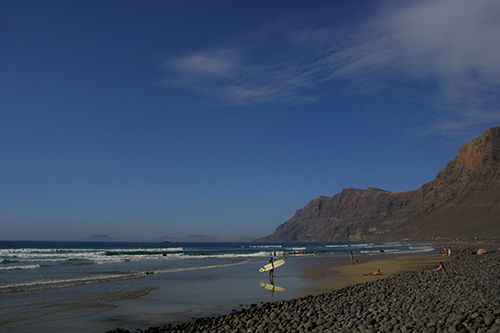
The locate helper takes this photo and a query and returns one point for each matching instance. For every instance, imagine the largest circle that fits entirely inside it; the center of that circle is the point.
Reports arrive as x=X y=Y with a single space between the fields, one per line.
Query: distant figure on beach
x=274 y=253
x=378 y=272
x=284 y=255
x=164 y=254
x=352 y=258
x=441 y=267
x=271 y=271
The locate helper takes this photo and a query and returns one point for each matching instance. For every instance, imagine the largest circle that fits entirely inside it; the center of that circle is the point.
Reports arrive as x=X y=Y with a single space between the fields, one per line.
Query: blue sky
x=142 y=119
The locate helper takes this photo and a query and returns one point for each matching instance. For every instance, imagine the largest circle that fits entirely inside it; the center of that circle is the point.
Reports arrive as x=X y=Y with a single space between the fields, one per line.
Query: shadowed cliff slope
x=463 y=201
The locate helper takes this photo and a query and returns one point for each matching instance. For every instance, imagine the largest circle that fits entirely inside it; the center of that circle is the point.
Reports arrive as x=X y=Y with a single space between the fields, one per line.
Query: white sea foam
x=183 y=269
x=68 y=282
x=10 y=268
x=95 y=255
x=363 y=245
x=99 y=278
x=240 y=255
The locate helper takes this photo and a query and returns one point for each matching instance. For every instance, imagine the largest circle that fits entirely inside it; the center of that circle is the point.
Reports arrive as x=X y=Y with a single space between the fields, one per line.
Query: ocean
x=98 y=286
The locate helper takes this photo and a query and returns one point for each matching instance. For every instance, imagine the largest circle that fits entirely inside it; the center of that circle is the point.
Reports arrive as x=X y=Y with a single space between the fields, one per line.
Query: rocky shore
x=464 y=297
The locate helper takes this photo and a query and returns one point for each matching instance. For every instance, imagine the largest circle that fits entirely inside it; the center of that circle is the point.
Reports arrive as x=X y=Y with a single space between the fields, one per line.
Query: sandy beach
x=405 y=298
x=350 y=274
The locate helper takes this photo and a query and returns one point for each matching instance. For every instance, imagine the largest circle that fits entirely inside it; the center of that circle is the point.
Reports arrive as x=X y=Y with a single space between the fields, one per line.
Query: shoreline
x=349 y=275
x=346 y=285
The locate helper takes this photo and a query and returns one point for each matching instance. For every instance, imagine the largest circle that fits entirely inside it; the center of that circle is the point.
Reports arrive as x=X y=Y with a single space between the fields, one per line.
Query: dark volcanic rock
x=462 y=201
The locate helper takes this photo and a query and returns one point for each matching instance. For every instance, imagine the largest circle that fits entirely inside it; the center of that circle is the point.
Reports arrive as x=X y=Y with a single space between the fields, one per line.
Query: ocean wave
x=95 y=255
x=239 y=255
x=11 y=268
x=68 y=282
x=177 y=256
x=184 y=269
x=99 y=278
x=264 y=246
x=421 y=248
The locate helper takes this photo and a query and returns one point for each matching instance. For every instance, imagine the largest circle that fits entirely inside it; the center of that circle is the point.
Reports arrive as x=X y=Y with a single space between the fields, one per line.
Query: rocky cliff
x=463 y=201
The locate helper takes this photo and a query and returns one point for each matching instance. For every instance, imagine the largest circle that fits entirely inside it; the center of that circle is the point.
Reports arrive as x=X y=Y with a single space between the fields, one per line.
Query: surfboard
x=271 y=287
x=267 y=267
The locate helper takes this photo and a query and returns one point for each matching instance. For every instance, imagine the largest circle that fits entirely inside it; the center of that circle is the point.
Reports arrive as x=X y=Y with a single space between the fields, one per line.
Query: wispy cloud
x=452 y=44
x=217 y=64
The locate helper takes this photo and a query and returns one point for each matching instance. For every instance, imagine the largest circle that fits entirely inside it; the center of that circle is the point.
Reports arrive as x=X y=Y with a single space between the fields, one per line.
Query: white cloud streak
x=217 y=64
x=455 y=44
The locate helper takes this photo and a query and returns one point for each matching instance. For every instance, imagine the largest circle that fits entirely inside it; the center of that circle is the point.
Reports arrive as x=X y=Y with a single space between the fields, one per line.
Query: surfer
x=271 y=271
x=378 y=272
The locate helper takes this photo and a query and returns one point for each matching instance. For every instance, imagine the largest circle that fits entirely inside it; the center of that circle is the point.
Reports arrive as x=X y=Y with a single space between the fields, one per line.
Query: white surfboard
x=268 y=267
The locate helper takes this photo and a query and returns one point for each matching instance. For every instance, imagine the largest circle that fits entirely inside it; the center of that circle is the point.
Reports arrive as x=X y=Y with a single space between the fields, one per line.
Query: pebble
x=463 y=297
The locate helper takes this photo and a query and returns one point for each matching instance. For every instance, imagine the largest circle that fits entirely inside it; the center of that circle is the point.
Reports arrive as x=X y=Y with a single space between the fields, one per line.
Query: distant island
x=98 y=238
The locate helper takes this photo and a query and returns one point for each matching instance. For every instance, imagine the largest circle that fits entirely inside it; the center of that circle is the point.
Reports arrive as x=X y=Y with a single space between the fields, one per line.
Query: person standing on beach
x=352 y=258
x=271 y=271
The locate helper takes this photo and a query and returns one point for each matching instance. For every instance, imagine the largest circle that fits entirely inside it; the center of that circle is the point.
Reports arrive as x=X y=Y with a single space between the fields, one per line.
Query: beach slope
x=463 y=297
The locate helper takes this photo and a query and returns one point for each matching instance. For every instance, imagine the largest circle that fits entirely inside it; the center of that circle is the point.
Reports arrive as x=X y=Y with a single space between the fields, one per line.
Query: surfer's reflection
x=271 y=286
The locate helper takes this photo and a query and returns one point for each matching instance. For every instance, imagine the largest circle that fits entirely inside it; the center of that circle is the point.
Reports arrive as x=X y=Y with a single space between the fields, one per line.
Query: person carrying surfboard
x=271 y=271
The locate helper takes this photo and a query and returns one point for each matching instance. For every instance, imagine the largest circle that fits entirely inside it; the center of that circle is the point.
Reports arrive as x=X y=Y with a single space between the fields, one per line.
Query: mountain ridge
x=462 y=201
